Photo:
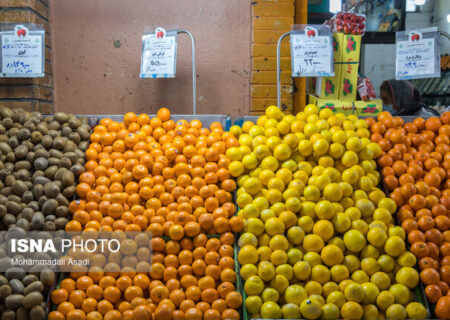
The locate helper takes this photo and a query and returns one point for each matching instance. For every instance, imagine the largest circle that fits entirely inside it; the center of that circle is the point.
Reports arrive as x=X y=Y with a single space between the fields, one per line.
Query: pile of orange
x=155 y=174
x=416 y=170
x=190 y=279
x=171 y=179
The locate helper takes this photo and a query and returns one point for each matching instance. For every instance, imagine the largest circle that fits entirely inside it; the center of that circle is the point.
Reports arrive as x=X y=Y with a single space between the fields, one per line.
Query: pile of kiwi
x=41 y=158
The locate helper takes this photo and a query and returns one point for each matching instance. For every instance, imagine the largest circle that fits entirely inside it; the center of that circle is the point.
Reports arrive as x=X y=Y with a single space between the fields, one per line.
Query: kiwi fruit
x=41 y=158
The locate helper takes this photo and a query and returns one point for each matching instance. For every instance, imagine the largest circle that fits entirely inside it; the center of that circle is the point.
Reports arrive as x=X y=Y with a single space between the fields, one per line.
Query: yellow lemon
x=401 y=293
x=248 y=270
x=324 y=229
x=320 y=273
x=337 y=298
x=302 y=270
x=381 y=280
x=248 y=254
x=332 y=255
x=290 y=311
x=416 y=310
x=324 y=209
x=330 y=311
x=270 y=310
x=313 y=243
x=339 y=273
x=270 y=294
x=295 y=294
x=352 y=263
x=253 y=285
x=385 y=299
x=247 y=238
x=351 y=310
x=253 y=304
x=354 y=292
x=310 y=309
x=407 y=259
x=371 y=292
x=408 y=277
x=306 y=223
x=313 y=258
x=236 y=168
x=396 y=311
x=370 y=311
x=394 y=246
x=354 y=240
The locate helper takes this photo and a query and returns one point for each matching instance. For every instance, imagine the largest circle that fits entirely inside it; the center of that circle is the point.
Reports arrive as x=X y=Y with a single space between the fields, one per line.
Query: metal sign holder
x=194 y=75
x=284 y=35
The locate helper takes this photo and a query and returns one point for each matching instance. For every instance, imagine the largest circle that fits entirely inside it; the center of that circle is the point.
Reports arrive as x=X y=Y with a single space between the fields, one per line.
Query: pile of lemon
x=319 y=237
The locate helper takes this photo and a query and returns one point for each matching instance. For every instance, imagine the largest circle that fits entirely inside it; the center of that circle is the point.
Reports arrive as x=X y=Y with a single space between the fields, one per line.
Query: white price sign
x=416 y=56
x=22 y=52
x=159 y=54
x=312 y=52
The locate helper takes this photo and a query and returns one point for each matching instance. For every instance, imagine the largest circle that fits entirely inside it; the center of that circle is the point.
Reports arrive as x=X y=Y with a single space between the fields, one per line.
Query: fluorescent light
x=335 y=6
x=419 y=2
x=448 y=18
x=410 y=6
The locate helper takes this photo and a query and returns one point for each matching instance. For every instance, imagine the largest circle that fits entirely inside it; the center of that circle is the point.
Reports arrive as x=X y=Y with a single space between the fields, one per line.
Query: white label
x=415 y=57
x=311 y=54
x=22 y=54
x=159 y=53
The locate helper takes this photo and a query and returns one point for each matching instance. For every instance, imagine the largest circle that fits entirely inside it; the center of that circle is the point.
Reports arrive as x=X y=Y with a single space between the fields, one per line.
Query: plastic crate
x=206 y=119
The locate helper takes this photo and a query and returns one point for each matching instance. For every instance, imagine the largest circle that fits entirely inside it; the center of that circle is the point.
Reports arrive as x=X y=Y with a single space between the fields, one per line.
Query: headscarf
x=405 y=96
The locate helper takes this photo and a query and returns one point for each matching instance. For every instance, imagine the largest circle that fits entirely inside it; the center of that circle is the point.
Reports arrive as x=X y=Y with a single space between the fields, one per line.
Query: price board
x=417 y=54
x=22 y=52
x=312 y=52
x=159 y=54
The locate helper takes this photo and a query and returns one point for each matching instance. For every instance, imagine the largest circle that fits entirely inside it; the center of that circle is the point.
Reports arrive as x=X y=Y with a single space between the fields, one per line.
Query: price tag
x=22 y=52
x=312 y=52
x=416 y=55
x=159 y=54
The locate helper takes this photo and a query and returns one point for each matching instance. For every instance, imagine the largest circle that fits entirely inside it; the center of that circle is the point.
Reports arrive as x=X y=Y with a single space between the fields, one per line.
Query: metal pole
x=194 y=74
x=278 y=68
x=445 y=34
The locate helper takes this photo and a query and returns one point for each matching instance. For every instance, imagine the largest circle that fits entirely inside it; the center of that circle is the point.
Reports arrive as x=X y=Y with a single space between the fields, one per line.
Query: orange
x=59 y=296
x=76 y=314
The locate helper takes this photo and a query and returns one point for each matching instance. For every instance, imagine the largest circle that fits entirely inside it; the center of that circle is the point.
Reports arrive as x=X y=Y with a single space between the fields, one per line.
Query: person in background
x=401 y=98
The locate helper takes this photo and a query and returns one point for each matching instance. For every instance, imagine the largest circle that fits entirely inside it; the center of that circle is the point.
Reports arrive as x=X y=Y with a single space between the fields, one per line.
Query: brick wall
x=33 y=94
x=271 y=18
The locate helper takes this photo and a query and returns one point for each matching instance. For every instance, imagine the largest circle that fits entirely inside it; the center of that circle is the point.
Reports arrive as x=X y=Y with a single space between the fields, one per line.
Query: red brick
x=270 y=63
x=46 y=107
x=267 y=36
x=260 y=104
x=271 y=23
x=270 y=50
x=44 y=81
x=26 y=105
x=18 y=3
x=42 y=93
x=16 y=92
x=270 y=91
x=270 y=77
x=16 y=16
x=273 y=10
x=41 y=8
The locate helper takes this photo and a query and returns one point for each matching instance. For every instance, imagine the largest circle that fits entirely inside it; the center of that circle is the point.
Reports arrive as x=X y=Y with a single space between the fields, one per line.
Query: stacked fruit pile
x=172 y=180
x=40 y=159
x=415 y=167
x=319 y=237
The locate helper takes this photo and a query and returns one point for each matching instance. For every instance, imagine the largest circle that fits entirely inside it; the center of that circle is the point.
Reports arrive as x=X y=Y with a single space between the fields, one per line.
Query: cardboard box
x=350 y=48
x=338 y=39
x=337 y=106
x=348 y=81
x=328 y=87
x=370 y=108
